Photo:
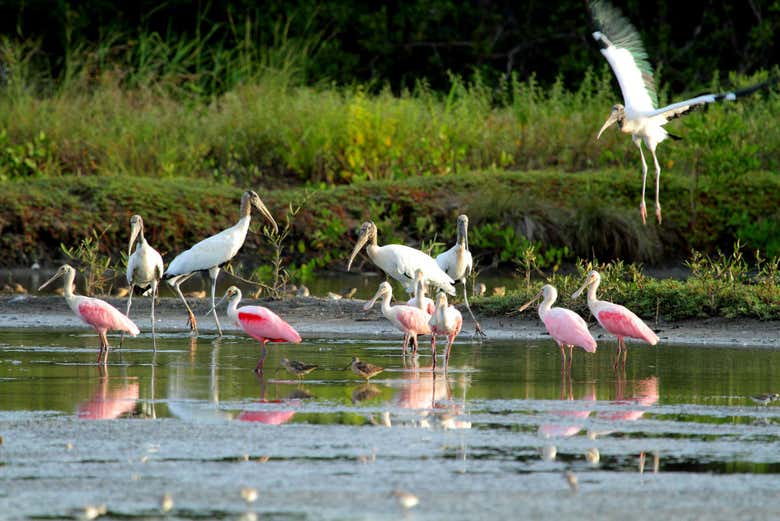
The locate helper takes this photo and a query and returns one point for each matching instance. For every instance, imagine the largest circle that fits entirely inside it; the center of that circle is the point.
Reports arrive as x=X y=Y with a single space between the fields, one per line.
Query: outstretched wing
x=623 y=49
x=675 y=110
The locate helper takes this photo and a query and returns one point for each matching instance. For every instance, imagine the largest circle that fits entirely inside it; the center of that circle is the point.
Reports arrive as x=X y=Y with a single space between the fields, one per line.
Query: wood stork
x=616 y=319
x=401 y=262
x=412 y=321
x=259 y=322
x=639 y=115
x=457 y=263
x=446 y=321
x=212 y=253
x=566 y=327
x=144 y=266
x=97 y=313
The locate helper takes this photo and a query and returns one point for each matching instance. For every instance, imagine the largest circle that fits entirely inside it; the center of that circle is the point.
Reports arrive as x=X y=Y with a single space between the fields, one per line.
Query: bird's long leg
x=176 y=283
x=155 y=289
x=625 y=352
x=617 y=355
x=107 y=347
x=213 y=274
x=642 y=207
x=450 y=340
x=413 y=341
x=127 y=313
x=657 y=183
x=406 y=341
x=102 y=347
x=571 y=356
x=477 y=327
x=433 y=353
x=261 y=362
x=563 y=358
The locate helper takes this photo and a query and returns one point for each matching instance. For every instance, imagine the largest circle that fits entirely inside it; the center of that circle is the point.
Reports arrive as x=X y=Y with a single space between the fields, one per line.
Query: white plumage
x=144 y=265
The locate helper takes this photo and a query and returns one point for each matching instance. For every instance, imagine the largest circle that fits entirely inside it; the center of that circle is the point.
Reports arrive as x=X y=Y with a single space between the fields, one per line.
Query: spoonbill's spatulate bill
x=457 y=263
x=144 y=265
x=411 y=320
x=566 y=327
x=260 y=323
x=401 y=262
x=639 y=115
x=446 y=321
x=213 y=252
x=99 y=314
x=616 y=319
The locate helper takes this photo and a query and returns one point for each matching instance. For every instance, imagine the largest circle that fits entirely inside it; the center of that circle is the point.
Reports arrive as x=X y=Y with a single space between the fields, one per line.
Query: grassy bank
x=563 y=215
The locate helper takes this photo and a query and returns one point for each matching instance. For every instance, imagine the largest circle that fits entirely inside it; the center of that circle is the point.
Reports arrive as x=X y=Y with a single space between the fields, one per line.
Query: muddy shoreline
x=321 y=317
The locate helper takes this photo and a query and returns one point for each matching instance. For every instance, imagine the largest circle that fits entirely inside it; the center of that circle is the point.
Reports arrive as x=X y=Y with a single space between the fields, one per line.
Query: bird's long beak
x=611 y=120
x=536 y=297
x=582 y=288
x=220 y=301
x=463 y=231
x=368 y=305
x=134 y=231
x=362 y=240
x=263 y=210
x=55 y=277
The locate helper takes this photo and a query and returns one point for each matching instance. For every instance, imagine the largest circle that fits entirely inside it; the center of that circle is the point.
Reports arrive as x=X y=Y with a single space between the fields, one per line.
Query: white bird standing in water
x=212 y=253
x=457 y=263
x=401 y=262
x=638 y=116
x=144 y=266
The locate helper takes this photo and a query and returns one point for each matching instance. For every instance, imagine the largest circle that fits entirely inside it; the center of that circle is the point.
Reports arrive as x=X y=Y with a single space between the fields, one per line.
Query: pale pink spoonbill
x=566 y=327
x=401 y=262
x=412 y=321
x=144 y=266
x=95 y=312
x=259 y=322
x=446 y=321
x=457 y=263
x=616 y=319
x=419 y=300
x=211 y=253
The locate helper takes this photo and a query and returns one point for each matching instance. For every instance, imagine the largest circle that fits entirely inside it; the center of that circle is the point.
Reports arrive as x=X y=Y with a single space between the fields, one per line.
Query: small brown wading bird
x=299 y=369
x=364 y=369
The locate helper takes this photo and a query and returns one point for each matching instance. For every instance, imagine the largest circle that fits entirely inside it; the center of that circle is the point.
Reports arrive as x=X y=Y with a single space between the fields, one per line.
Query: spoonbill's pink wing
x=102 y=315
x=412 y=320
x=621 y=321
x=567 y=327
x=263 y=324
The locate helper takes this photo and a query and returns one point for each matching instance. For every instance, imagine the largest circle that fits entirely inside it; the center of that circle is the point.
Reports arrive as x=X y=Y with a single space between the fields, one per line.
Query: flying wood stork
x=616 y=319
x=457 y=263
x=401 y=262
x=144 y=266
x=639 y=115
x=97 y=313
x=212 y=253
x=566 y=327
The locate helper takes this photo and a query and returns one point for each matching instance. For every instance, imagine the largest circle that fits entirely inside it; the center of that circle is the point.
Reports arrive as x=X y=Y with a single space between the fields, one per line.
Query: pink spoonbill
x=213 y=252
x=616 y=319
x=457 y=263
x=566 y=327
x=400 y=262
x=412 y=321
x=446 y=321
x=144 y=266
x=419 y=300
x=259 y=322
x=97 y=313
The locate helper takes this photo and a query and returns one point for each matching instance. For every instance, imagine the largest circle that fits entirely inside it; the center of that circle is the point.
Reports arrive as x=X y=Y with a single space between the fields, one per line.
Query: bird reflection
x=565 y=430
x=643 y=392
x=364 y=392
x=108 y=403
x=270 y=417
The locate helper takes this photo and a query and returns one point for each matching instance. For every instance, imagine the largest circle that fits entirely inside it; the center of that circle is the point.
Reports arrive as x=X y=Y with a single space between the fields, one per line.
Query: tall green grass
x=165 y=107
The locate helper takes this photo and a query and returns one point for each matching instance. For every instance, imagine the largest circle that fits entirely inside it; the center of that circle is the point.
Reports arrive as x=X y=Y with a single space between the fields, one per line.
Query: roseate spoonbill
x=144 y=266
x=364 y=369
x=566 y=327
x=400 y=262
x=97 y=313
x=213 y=252
x=299 y=369
x=616 y=319
x=765 y=399
x=446 y=321
x=258 y=322
x=411 y=320
x=419 y=300
x=457 y=263
x=638 y=116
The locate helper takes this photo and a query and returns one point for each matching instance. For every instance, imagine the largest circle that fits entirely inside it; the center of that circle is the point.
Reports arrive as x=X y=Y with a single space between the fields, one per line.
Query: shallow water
x=675 y=432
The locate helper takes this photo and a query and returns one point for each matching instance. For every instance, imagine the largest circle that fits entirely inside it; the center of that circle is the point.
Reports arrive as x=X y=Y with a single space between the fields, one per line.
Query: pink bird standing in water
x=446 y=321
x=616 y=319
x=95 y=312
x=260 y=323
x=567 y=328
x=412 y=321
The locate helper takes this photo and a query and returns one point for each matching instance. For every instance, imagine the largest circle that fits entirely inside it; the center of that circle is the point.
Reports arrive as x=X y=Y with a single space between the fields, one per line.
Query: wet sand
x=345 y=318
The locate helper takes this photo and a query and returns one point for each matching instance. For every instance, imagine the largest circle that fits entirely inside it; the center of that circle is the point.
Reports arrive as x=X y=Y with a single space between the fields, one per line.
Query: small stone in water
x=249 y=494
x=69 y=446
x=549 y=452
x=166 y=503
x=593 y=456
x=406 y=499
x=571 y=479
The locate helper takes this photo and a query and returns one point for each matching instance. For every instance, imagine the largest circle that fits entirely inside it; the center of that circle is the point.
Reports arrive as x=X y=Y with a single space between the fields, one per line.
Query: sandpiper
x=765 y=399
x=298 y=368
x=364 y=369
